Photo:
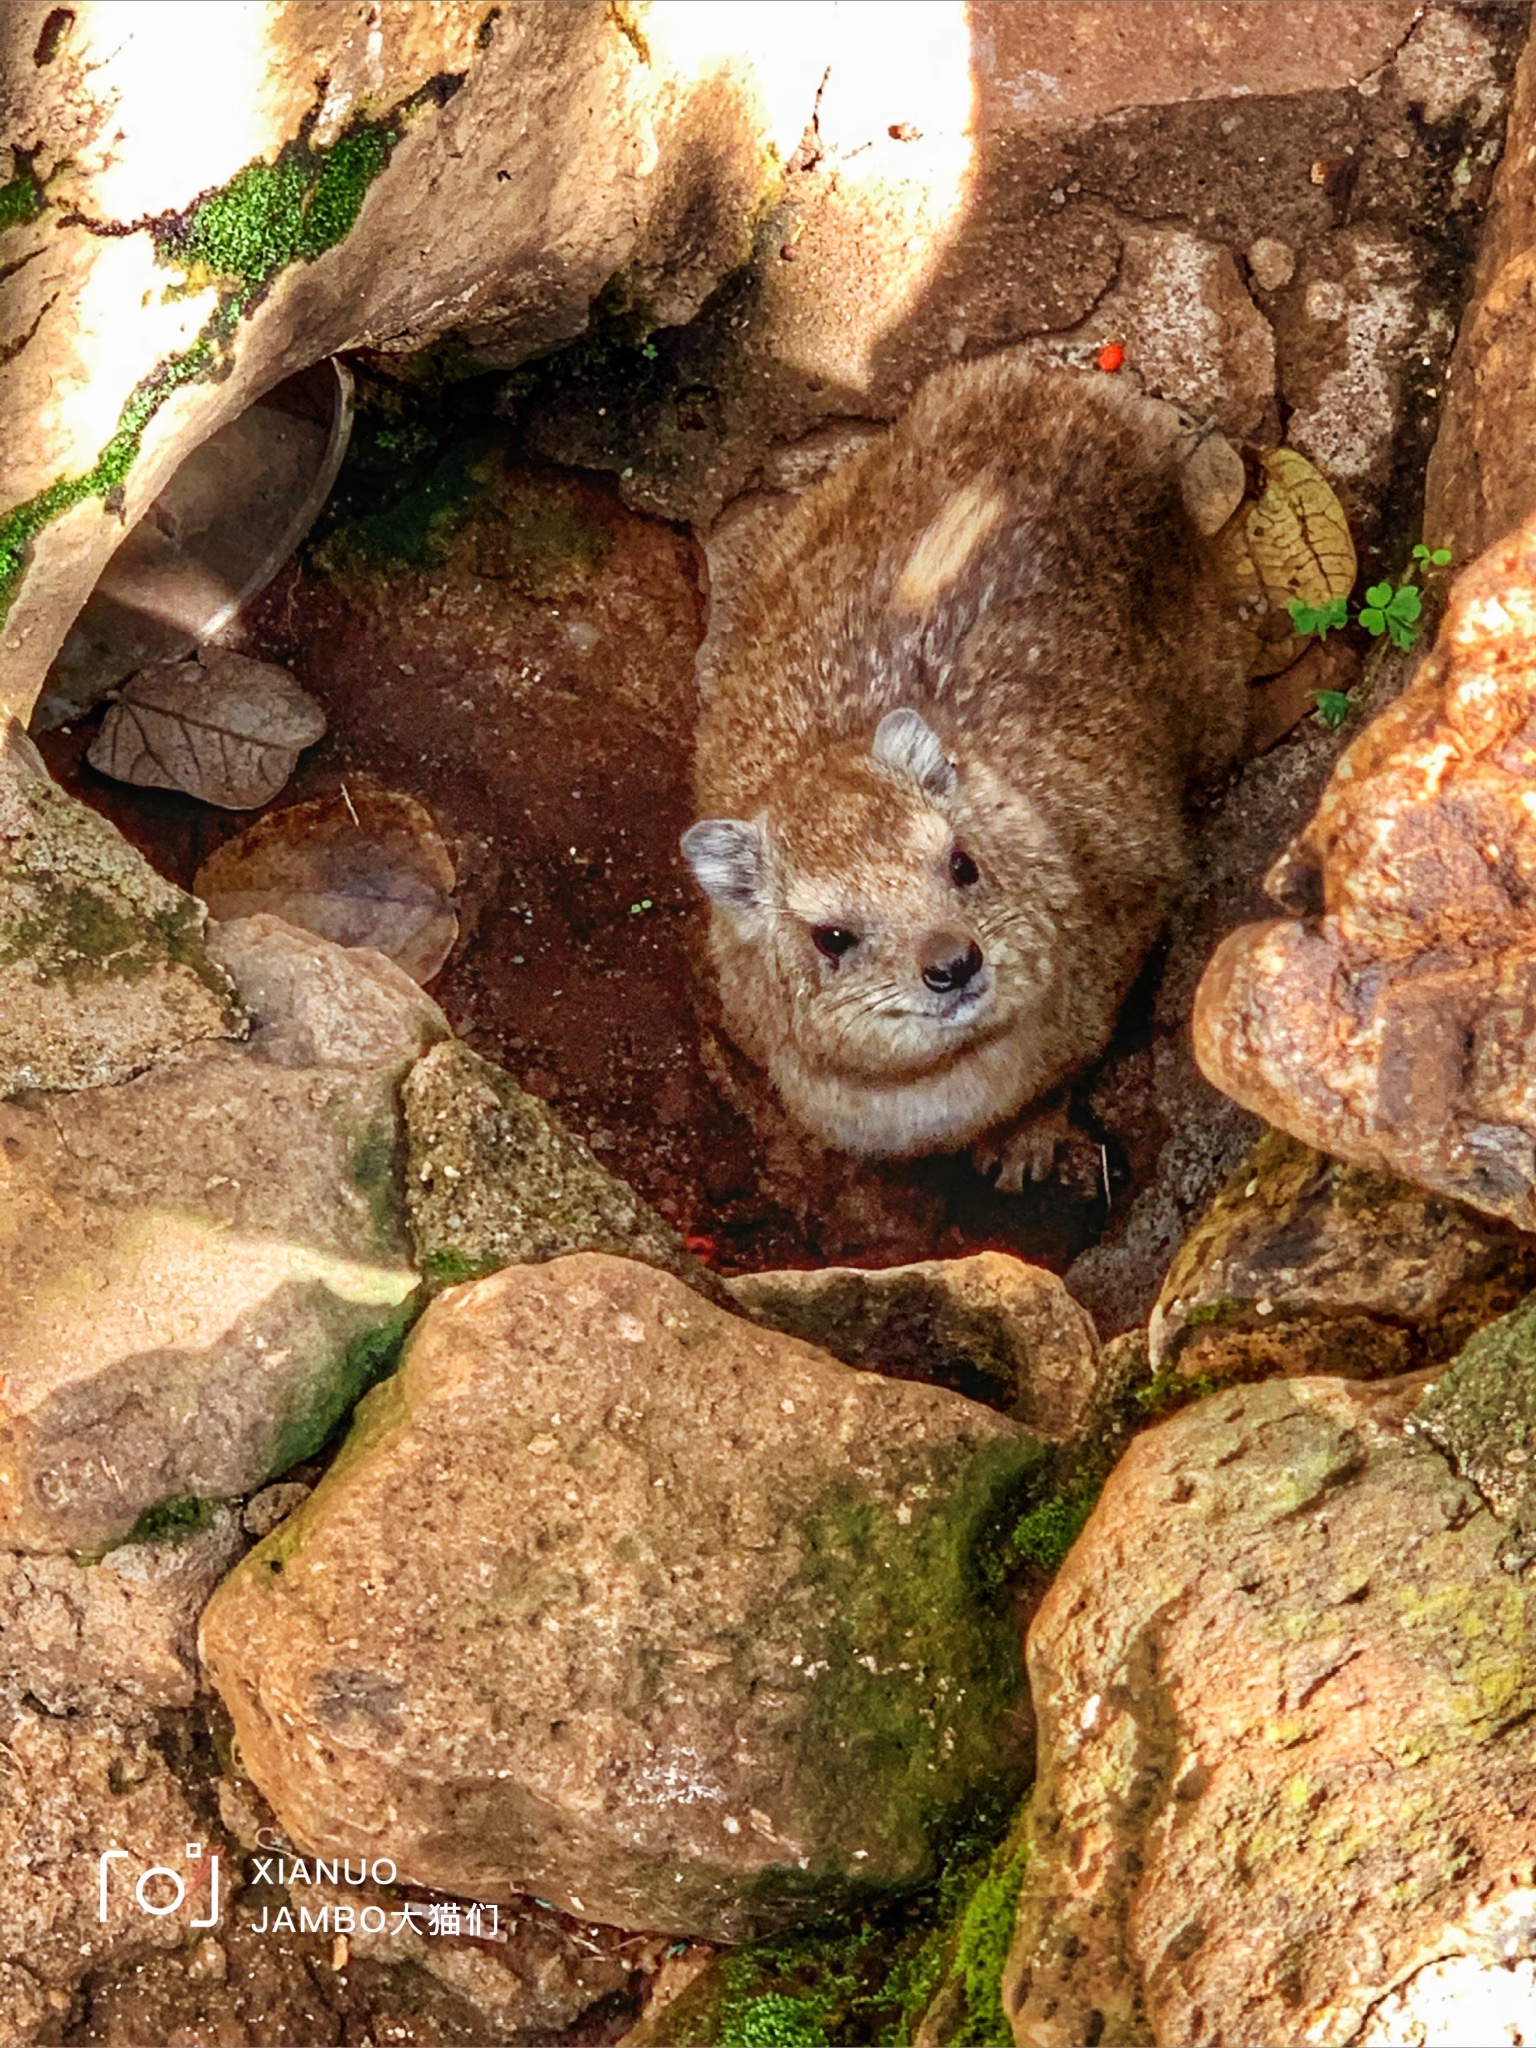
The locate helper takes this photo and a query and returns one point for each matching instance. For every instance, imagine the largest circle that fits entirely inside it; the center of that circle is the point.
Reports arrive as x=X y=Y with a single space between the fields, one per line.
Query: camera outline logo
x=193 y=1854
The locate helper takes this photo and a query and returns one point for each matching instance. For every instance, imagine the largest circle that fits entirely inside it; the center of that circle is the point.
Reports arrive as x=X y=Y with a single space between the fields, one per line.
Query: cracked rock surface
x=1287 y=1742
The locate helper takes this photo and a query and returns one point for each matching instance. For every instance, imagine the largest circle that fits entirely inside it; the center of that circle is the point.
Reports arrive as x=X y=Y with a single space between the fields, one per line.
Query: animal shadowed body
x=947 y=744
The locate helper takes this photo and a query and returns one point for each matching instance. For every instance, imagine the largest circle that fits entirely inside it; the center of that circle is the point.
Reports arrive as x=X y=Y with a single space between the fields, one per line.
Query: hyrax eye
x=832 y=940
x=962 y=869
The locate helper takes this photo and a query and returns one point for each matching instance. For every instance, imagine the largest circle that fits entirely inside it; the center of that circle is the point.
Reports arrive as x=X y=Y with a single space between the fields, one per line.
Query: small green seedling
x=1394 y=612
x=1389 y=608
x=1321 y=619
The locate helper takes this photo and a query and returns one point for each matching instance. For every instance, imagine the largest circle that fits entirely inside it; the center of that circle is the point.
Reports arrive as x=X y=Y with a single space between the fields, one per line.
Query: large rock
x=1287 y=1786
x=1387 y=1021
x=615 y=1598
x=103 y=966
x=1302 y=1264
x=990 y=1327
x=202 y=1268
x=493 y=1178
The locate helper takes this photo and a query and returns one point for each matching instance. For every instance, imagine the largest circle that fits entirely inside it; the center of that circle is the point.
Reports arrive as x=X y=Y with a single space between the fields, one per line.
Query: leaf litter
x=365 y=867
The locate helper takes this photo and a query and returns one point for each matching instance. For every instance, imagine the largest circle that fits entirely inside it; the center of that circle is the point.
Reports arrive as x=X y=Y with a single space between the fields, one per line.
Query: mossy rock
x=1482 y=1414
x=775 y=1599
x=103 y=968
x=1303 y=1264
x=493 y=1178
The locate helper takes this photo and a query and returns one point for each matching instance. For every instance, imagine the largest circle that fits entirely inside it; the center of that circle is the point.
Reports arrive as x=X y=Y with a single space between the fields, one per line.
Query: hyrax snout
x=948 y=740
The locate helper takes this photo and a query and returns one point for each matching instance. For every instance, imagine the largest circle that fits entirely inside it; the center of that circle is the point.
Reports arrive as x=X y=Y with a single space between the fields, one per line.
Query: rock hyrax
x=947 y=742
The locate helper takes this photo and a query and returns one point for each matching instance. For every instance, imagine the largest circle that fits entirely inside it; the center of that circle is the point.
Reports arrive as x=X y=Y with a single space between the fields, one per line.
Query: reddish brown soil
x=538 y=697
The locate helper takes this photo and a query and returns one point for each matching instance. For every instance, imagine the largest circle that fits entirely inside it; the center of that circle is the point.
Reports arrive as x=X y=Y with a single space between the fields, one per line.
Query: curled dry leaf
x=228 y=733
x=1292 y=540
x=364 y=869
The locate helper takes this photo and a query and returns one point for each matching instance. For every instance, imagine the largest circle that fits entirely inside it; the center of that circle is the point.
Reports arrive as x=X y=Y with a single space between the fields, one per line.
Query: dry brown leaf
x=1291 y=541
x=228 y=733
x=364 y=869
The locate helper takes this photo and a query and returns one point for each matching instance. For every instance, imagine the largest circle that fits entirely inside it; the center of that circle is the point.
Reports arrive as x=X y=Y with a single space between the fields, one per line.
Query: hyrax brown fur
x=947 y=745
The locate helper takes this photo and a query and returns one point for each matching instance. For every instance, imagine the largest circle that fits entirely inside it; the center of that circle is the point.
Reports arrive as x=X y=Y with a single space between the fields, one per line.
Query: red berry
x=701 y=1247
x=1110 y=356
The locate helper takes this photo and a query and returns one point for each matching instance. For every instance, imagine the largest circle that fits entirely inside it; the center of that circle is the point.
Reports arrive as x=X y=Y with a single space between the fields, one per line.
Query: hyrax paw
x=1021 y=1152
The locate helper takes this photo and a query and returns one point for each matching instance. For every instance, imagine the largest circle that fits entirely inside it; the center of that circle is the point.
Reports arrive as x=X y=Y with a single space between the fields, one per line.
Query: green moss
x=1169 y=1390
x=775 y=2021
x=21 y=200
x=986 y=1933
x=1217 y=1312
x=417 y=530
x=369 y=1356
x=238 y=239
x=1045 y=1535
x=442 y=1269
x=921 y=1648
x=272 y=214
x=171 y=1520
x=870 y=1978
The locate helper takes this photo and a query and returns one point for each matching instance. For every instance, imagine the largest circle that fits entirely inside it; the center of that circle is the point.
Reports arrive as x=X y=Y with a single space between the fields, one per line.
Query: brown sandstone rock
x=1305 y=1265
x=1288 y=1741
x=1481 y=480
x=614 y=1598
x=202 y=1268
x=990 y=1327
x=1387 y=1023
x=103 y=966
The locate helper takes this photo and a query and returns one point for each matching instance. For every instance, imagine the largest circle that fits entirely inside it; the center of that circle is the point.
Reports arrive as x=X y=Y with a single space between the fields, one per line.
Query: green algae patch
x=21 y=200
x=911 y=1723
x=367 y=1356
x=172 y=1520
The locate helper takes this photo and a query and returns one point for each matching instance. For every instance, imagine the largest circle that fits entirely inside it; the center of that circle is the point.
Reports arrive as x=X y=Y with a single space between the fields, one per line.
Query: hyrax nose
x=949 y=960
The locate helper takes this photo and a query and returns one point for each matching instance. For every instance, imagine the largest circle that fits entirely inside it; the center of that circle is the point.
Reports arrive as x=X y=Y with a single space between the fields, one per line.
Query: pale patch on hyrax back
x=942 y=553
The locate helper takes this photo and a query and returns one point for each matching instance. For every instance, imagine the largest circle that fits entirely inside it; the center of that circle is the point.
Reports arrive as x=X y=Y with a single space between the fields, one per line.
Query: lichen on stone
x=1482 y=1415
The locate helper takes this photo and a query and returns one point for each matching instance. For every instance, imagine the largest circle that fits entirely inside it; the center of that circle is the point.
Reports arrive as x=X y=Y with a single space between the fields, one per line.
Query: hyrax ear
x=729 y=858
x=908 y=745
